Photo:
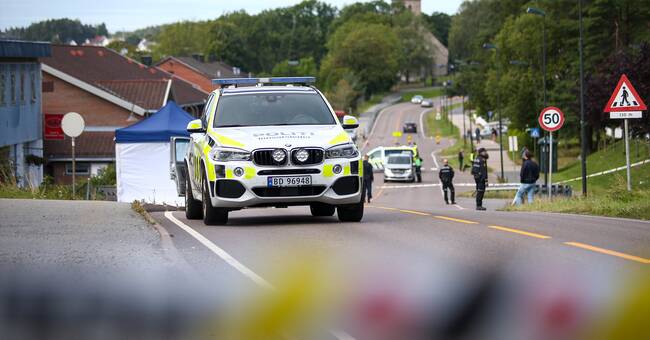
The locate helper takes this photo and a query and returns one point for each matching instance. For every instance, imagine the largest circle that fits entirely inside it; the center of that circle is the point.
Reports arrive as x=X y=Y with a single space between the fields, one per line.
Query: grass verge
x=139 y=208
x=374 y=100
x=617 y=202
x=428 y=93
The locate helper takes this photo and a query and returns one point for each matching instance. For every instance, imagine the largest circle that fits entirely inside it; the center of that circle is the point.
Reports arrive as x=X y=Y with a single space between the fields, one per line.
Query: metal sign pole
x=74 y=170
x=550 y=165
x=627 y=157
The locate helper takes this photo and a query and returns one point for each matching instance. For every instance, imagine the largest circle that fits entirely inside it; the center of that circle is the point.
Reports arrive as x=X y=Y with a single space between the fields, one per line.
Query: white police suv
x=268 y=142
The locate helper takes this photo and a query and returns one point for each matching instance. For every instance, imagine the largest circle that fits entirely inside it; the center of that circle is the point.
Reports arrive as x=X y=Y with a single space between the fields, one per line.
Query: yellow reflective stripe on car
x=229 y=173
x=361 y=168
x=227 y=141
x=212 y=175
x=346 y=170
x=328 y=170
x=349 y=121
x=340 y=138
x=249 y=172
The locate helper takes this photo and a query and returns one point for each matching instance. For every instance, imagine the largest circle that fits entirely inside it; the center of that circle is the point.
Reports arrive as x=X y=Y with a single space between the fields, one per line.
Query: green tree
x=183 y=38
x=305 y=67
x=371 y=52
x=439 y=23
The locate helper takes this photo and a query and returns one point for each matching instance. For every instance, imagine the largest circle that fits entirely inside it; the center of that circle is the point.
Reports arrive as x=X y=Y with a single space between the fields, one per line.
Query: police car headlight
x=229 y=155
x=342 y=151
x=302 y=155
x=279 y=155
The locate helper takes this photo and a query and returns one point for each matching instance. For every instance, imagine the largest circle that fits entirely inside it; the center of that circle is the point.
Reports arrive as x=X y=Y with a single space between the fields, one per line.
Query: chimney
x=197 y=57
x=146 y=60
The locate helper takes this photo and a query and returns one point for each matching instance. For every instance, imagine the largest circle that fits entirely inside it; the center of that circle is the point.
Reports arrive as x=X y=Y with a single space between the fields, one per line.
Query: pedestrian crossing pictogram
x=625 y=98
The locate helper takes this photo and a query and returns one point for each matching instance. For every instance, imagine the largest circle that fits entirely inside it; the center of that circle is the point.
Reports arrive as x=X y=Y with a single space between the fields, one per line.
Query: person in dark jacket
x=461 y=159
x=528 y=176
x=368 y=178
x=446 y=176
x=480 y=173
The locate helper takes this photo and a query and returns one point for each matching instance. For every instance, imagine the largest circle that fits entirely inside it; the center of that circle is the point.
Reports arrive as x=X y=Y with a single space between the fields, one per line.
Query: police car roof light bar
x=255 y=81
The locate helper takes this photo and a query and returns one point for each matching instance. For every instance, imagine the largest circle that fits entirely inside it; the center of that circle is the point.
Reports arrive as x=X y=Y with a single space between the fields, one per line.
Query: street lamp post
x=583 y=126
x=541 y=13
x=496 y=51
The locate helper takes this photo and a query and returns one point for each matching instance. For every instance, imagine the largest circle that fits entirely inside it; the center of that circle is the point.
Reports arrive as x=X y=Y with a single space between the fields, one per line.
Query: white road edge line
x=422 y=123
x=341 y=335
x=435 y=161
x=220 y=252
x=459 y=207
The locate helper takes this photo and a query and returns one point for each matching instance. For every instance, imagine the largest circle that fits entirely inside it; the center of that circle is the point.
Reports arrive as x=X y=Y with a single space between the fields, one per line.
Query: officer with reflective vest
x=446 y=176
x=480 y=173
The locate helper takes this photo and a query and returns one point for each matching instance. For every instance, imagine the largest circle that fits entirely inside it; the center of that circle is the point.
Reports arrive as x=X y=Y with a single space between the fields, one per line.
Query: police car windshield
x=399 y=159
x=264 y=109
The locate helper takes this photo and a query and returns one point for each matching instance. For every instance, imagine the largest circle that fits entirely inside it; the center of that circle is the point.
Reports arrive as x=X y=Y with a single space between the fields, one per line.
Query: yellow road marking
x=609 y=252
x=385 y=208
x=517 y=231
x=415 y=212
x=455 y=219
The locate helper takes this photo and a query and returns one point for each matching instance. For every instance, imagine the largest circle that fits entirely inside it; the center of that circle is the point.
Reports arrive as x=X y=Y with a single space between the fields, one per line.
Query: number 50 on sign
x=551 y=119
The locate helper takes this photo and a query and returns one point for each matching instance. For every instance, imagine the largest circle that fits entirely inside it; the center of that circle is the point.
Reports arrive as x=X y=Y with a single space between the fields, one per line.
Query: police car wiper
x=231 y=125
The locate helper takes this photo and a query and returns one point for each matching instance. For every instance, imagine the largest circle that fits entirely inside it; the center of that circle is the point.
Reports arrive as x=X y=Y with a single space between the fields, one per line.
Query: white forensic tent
x=142 y=153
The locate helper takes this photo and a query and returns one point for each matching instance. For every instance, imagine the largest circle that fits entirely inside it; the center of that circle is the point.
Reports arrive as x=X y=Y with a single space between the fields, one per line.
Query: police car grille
x=315 y=156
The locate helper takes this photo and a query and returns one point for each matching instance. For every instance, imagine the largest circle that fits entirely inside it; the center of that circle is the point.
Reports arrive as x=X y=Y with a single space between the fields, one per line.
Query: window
x=3 y=87
x=272 y=108
x=82 y=169
x=22 y=85
x=12 y=89
x=32 y=82
x=206 y=111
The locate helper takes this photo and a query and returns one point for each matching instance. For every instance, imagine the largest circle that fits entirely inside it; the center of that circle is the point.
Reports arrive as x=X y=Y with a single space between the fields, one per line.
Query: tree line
x=509 y=79
x=56 y=30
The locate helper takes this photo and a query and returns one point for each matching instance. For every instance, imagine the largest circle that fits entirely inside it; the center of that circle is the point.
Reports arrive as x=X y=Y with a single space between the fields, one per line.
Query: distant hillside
x=56 y=30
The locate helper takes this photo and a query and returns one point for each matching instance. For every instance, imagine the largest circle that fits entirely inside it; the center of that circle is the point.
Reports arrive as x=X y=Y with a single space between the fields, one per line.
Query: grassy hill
x=612 y=157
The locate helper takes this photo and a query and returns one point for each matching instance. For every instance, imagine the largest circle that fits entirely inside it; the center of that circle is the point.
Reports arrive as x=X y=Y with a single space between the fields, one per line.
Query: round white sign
x=551 y=119
x=72 y=124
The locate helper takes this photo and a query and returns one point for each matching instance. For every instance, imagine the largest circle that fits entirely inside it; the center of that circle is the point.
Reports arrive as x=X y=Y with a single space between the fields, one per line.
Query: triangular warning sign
x=625 y=98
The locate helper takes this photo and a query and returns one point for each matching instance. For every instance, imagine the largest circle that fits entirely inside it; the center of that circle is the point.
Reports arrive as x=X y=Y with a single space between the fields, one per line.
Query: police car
x=268 y=142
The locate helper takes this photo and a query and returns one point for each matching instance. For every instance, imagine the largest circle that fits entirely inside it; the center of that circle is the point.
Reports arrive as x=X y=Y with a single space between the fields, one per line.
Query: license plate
x=289 y=181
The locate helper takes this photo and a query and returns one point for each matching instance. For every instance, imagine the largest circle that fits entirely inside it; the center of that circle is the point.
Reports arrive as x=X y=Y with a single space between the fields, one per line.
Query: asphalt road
x=407 y=224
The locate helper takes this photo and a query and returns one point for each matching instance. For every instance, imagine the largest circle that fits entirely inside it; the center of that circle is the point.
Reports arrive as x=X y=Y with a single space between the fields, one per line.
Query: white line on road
x=408 y=186
x=220 y=252
x=422 y=123
x=238 y=265
x=459 y=207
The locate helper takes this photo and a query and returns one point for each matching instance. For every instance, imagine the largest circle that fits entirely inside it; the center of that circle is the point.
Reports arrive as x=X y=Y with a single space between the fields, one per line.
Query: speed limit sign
x=551 y=118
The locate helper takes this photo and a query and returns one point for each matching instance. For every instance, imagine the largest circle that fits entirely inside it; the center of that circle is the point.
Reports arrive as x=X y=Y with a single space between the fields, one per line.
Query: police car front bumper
x=252 y=189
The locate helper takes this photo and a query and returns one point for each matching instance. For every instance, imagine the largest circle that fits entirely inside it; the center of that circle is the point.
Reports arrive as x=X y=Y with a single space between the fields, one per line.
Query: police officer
x=418 y=168
x=480 y=173
x=446 y=176
x=368 y=178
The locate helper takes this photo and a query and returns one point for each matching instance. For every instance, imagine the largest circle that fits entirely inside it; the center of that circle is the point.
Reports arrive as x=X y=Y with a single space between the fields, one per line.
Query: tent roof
x=168 y=122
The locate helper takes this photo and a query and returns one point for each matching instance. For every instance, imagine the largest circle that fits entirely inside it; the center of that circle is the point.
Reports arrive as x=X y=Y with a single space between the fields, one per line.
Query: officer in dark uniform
x=368 y=178
x=480 y=173
x=446 y=176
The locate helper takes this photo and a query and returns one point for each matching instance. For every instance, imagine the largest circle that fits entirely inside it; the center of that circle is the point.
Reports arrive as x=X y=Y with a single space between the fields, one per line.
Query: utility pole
x=583 y=123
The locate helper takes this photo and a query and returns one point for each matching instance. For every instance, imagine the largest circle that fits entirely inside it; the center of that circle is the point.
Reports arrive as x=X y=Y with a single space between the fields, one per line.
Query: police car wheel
x=212 y=215
x=193 y=210
x=350 y=212
x=321 y=209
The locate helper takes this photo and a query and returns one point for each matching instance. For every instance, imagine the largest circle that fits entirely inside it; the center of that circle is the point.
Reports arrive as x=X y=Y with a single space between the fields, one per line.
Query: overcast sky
x=132 y=14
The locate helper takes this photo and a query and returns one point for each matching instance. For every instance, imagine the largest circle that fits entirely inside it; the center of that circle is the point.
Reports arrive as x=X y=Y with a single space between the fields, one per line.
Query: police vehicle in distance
x=378 y=156
x=269 y=142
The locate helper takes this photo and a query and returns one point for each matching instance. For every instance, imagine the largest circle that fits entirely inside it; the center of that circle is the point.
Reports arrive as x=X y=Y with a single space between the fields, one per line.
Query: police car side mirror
x=195 y=126
x=350 y=122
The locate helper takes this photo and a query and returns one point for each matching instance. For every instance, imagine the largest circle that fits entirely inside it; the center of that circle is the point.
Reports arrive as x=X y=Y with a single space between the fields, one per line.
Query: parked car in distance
x=426 y=103
x=399 y=167
x=410 y=127
x=379 y=155
x=417 y=99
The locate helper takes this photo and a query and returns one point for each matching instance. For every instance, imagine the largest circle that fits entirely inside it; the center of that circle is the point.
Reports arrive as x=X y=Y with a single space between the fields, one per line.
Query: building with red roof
x=110 y=91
